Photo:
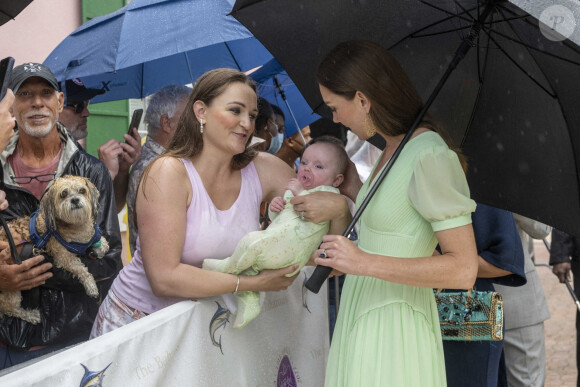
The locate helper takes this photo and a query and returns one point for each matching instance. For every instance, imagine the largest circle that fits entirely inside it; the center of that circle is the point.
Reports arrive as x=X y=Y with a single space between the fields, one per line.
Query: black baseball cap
x=77 y=92
x=28 y=70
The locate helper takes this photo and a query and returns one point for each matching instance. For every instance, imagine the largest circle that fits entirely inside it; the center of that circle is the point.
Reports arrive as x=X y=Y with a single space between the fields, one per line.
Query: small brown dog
x=67 y=212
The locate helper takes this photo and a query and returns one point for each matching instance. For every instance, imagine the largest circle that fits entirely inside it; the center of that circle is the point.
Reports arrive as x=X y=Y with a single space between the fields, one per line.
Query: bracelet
x=237 y=285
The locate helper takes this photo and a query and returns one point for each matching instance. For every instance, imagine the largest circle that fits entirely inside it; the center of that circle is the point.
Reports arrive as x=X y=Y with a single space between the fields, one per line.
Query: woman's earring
x=369 y=126
x=201 y=126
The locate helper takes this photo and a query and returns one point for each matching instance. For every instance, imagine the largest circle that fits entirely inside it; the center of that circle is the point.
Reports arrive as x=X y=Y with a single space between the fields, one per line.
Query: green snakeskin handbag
x=470 y=315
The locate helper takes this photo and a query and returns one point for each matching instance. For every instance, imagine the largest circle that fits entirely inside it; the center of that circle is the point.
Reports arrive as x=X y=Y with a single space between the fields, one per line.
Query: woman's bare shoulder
x=268 y=163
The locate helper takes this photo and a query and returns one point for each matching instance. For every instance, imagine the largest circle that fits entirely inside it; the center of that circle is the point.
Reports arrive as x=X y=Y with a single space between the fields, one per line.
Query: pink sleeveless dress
x=209 y=233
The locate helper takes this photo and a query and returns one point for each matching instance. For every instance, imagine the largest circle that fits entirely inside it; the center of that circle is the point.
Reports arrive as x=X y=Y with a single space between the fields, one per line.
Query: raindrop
x=524 y=167
x=541 y=138
x=499 y=146
x=500 y=118
x=528 y=123
x=521 y=56
x=508 y=91
x=409 y=23
x=522 y=133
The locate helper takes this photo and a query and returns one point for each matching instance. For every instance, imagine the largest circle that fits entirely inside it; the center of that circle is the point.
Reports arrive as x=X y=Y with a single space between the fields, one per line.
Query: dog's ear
x=94 y=198
x=47 y=207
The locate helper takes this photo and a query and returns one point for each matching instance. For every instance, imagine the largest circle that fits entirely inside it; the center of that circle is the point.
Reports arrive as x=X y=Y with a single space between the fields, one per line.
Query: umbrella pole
x=189 y=68
x=570 y=289
x=283 y=95
x=320 y=274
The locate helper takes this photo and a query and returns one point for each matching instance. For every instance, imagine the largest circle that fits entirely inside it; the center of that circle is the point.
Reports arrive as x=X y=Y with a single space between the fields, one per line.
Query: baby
x=288 y=240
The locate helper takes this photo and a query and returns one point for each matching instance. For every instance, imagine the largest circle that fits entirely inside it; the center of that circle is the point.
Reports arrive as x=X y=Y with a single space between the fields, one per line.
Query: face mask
x=276 y=143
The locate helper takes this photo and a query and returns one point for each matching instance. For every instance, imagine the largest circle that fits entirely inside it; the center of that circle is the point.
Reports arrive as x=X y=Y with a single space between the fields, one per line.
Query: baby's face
x=317 y=166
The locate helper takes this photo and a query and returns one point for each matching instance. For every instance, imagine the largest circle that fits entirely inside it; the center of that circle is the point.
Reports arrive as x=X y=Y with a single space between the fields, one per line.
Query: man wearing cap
x=75 y=113
x=39 y=152
x=117 y=156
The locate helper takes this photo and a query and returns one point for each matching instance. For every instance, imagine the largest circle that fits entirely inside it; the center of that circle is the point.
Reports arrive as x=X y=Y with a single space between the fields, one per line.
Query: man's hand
x=118 y=156
x=3 y=201
x=131 y=151
x=562 y=271
x=109 y=154
x=7 y=121
x=29 y=274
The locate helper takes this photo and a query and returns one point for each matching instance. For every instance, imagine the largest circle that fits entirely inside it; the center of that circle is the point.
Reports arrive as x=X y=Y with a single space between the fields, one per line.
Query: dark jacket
x=564 y=247
x=66 y=310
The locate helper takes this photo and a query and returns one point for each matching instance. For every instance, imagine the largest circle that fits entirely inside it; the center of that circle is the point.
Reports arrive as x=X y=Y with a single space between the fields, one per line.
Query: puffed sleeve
x=438 y=189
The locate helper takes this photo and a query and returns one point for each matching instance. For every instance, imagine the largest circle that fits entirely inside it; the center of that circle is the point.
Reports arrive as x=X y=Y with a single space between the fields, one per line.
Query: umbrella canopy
x=10 y=8
x=275 y=85
x=148 y=44
x=511 y=104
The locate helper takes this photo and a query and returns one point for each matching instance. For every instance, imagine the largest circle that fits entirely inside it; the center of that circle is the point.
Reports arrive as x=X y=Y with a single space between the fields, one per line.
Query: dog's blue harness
x=40 y=241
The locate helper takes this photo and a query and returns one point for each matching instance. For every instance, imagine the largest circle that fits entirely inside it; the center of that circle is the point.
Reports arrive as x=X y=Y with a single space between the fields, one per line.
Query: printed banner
x=192 y=343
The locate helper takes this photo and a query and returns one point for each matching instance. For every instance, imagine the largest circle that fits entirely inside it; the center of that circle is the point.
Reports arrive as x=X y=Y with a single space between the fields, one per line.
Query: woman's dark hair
x=187 y=141
x=369 y=68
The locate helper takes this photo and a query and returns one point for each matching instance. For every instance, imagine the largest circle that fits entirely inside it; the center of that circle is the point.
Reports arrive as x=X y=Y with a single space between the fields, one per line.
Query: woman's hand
x=320 y=206
x=270 y=280
x=342 y=255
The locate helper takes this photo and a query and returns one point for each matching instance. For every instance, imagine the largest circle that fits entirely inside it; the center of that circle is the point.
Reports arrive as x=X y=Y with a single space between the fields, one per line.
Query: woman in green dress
x=387 y=333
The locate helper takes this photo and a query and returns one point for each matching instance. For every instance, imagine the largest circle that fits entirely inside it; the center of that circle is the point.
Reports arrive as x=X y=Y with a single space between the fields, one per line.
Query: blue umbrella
x=275 y=85
x=148 y=44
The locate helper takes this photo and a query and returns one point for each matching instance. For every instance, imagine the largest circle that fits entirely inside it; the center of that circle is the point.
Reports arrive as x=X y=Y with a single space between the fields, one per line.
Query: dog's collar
x=40 y=241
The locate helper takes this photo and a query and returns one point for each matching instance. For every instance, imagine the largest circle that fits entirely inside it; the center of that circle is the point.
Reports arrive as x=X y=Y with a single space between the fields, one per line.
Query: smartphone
x=135 y=121
x=6 y=66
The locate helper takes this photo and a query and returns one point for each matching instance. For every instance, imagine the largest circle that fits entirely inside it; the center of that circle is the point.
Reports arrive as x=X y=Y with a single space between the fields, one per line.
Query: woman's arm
x=487 y=270
x=162 y=202
x=455 y=268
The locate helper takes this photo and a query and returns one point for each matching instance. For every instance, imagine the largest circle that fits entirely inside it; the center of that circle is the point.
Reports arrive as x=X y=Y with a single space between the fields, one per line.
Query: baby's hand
x=295 y=186
x=277 y=204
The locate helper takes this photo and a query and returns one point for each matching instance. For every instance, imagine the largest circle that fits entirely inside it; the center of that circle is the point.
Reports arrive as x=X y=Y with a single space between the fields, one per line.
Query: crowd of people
x=201 y=182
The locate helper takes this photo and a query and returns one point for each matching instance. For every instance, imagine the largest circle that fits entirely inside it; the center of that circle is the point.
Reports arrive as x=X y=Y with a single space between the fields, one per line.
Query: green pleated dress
x=387 y=334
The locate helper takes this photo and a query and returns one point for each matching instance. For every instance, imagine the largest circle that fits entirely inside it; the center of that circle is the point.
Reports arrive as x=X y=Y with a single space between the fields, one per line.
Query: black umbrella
x=10 y=8
x=512 y=104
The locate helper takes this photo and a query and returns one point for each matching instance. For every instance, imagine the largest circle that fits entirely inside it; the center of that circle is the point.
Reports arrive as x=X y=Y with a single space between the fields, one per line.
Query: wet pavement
x=560 y=328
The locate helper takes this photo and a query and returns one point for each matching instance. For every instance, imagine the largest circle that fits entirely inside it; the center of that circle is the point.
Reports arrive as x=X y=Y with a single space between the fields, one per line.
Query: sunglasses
x=78 y=107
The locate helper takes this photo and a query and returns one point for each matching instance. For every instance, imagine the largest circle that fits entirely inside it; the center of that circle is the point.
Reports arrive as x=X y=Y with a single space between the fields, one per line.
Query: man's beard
x=38 y=132
x=78 y=134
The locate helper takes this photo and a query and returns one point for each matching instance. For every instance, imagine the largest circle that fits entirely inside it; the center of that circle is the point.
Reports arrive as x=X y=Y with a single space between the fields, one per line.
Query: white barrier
x=192 y=343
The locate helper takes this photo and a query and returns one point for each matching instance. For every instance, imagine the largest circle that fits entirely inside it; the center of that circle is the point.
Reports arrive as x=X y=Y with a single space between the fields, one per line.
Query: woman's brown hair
x=187 y=141
x=367 y=67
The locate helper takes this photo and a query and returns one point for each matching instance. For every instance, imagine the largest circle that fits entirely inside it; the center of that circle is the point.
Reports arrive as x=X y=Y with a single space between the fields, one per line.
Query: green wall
x=108 y=119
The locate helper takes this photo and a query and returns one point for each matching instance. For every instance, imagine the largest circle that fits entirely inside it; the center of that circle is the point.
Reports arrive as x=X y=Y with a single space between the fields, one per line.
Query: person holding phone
x=164 y=109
